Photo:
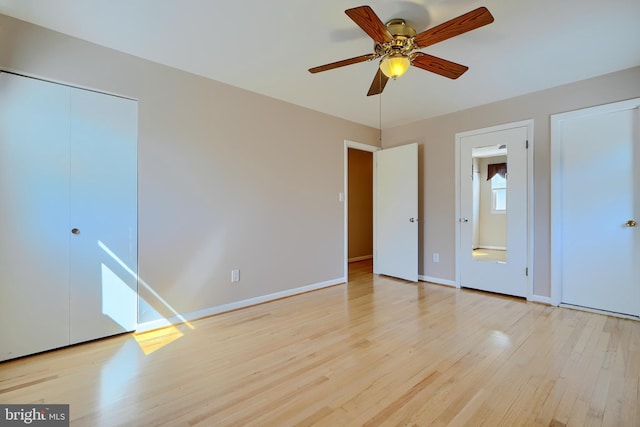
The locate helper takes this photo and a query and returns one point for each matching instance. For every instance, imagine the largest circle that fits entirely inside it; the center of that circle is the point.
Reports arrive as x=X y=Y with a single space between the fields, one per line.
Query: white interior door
x=396 y=212
x=502 y=267
x=103 y=201
x=596 y=187
x=34 y=216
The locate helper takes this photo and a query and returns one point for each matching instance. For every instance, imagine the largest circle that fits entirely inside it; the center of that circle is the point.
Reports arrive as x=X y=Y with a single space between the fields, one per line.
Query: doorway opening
x=358 y=206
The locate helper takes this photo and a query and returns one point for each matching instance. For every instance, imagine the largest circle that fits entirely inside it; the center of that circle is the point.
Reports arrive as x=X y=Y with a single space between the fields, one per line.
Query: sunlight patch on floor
x=156 y=339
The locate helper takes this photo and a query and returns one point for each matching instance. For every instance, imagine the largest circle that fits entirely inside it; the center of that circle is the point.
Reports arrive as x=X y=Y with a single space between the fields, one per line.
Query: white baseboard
x=495 y=248
x=540 y=299
x=199 y=314
x=360 y=258
x=437 y=280
x=596 y=311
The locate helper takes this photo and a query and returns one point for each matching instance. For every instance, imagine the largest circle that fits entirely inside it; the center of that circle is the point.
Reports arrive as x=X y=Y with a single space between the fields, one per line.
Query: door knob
x=412 y=219
x=631 y=223
x=75 y=231
x=464 y=219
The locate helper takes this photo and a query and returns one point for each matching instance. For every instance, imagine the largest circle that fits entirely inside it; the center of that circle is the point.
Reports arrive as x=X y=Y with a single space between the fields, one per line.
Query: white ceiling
x=267 y=47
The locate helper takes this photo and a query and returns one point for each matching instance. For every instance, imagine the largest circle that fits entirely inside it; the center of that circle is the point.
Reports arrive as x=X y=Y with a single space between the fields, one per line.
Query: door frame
x=530 y=201
x=555 y=252
x=345 y=197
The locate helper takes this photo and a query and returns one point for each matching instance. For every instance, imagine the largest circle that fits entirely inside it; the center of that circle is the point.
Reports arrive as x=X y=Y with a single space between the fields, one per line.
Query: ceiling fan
x=396 y=44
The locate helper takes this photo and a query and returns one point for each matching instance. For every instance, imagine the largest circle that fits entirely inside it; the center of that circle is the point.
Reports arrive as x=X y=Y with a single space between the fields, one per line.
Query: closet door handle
x=75 y=231
x=631 y=223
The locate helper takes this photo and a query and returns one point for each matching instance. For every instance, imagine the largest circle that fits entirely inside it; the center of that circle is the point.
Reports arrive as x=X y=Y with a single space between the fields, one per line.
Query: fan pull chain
x=380 y=118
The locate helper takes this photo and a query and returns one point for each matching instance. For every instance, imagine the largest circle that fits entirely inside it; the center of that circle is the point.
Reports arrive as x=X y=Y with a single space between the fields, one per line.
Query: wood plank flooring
x=374 y=352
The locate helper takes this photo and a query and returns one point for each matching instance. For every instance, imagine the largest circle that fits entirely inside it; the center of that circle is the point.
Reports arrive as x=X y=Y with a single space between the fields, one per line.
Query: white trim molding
x=594 y=310
x=494 y=248
x=540 y=299
x=437 y=281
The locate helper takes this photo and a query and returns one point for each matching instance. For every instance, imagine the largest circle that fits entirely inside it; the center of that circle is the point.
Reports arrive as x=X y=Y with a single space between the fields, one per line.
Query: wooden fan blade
x=438 y=65
x=342 y=63
x=463 y=23
x=367 y=19
x=378 y=84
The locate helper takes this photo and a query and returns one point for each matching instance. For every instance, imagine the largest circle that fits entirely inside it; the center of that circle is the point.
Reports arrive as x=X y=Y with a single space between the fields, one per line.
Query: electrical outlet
x=235 y=276
x=436 y=257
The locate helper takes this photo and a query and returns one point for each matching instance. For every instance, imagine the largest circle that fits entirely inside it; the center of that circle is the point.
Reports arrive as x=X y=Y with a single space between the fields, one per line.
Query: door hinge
x=526 y=144
x=526 y=271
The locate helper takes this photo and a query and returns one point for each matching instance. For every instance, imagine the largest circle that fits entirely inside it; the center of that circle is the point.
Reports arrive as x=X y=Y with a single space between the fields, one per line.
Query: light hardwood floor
x=375 y=351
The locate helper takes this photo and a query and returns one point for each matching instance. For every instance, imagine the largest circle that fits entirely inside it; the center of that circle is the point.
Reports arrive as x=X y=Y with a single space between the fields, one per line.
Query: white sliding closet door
x=103 y=208
x=68 y=217
x=34 y=214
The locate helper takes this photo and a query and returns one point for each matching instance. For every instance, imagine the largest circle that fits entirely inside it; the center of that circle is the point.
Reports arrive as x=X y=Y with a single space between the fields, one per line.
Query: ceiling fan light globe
x=394 y=66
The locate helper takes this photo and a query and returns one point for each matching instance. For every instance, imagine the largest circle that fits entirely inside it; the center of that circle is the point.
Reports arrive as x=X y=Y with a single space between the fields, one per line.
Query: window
x=499 y=190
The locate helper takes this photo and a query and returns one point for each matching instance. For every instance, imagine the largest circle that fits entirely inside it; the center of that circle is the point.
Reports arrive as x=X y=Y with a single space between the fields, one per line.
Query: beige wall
x=436 y=137
x=228 y=179
x=360 y=193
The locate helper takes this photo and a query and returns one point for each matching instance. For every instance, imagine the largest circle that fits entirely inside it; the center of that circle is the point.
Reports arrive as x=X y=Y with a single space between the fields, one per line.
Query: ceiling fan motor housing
x=402 y=42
